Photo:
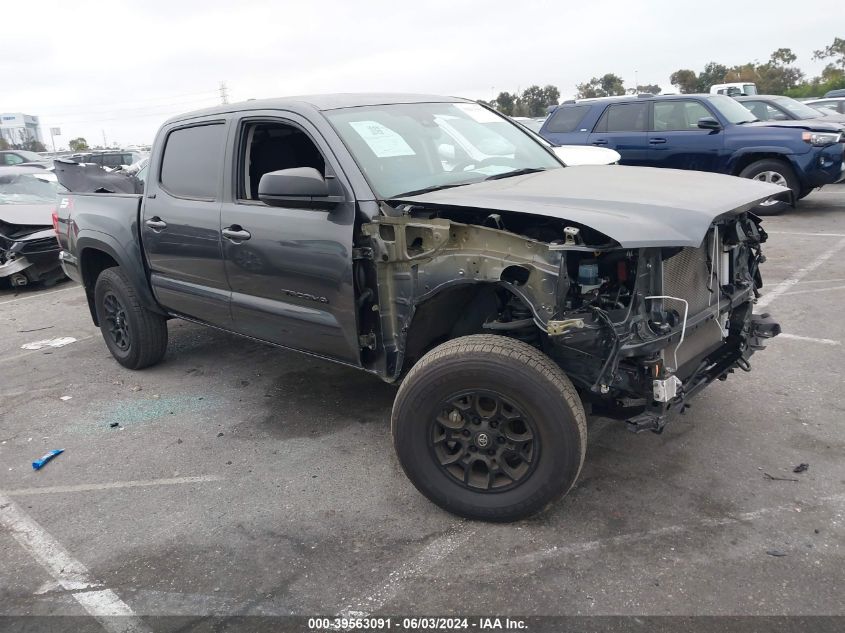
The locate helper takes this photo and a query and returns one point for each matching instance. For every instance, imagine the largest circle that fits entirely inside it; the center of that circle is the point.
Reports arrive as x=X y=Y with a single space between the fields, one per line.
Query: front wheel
x=775 y=172
x=135 y=336
x=488 y=427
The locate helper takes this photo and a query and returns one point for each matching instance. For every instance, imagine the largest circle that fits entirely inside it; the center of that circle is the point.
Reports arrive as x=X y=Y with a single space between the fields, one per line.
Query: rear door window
x=624 y=117
x=566 y=118
x=190 y=166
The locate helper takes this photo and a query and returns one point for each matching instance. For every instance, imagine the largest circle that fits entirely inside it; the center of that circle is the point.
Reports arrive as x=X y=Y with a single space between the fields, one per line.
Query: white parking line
x=431 y=554
x=785 y=285
x=809 y=339
x=806 y=234
x=803 y=292
x=20 y=492
x=102 y=603
x=532 y=559
x=38 y=295
x=822 y=281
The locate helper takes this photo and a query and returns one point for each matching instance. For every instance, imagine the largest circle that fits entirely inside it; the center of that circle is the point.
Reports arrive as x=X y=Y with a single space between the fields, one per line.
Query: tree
x=4 y=144
x=835 y=50
x=776 y=76
x=713 y=73
x=532 y=101
x=608 y=85
x=78 y=144
x=34 y=146
x=551 y=95
x=686 y=81
x=652 y=89
x=783 y=57
x=505 y=103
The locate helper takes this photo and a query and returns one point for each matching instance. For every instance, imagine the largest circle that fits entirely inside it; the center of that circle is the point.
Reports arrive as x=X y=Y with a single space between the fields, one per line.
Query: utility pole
x=105 y=143
x=224 y=93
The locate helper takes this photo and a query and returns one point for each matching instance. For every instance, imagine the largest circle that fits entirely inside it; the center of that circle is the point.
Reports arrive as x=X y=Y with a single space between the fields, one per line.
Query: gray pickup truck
x=438 y=245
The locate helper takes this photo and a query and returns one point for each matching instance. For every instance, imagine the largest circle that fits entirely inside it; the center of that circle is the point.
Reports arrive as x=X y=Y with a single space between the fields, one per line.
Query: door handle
x=236 y=233
x=156 y=223
x=600 y=141
x=656 y=141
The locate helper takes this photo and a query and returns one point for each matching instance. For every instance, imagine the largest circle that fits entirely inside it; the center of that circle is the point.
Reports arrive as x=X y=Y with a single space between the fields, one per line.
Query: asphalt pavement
x=240 y=479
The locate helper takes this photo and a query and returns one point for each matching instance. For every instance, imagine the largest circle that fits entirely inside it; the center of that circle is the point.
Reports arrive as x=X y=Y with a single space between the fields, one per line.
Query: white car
x=734 y=89
x=831 y=103
x=471 y=142
x=574 y=155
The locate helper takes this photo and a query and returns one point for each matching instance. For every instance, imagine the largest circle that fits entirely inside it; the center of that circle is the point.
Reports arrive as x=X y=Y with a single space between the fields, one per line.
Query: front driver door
x=290 y=269
x=623 y=127
x=676 y=141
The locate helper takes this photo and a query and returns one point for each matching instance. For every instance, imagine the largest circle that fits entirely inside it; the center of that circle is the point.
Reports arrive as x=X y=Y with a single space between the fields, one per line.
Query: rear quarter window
x=624 y=117
x=566 y=118
x=190 y=166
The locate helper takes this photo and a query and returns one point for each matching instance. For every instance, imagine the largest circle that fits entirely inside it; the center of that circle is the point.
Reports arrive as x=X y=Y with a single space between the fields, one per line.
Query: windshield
x=403 y=148
x=749 y=89
x=29 y=156
x=798 y=109
x=28 y=188
x=731 y=109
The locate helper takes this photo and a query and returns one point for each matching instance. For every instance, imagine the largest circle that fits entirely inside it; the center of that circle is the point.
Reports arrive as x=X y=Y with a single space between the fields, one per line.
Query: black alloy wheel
x=484 y=441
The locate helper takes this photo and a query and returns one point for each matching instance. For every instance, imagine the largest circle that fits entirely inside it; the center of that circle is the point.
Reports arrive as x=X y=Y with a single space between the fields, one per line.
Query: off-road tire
x=526 y=377
x=771 y=165
x=147 y=331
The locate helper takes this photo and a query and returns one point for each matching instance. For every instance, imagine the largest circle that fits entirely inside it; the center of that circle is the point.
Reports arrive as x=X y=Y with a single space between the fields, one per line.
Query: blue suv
x=706 y=133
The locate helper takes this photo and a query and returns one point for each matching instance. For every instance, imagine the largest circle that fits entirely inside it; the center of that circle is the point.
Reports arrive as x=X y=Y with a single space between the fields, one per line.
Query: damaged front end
x=641 y=331
x=638 y=330
x=28 y=254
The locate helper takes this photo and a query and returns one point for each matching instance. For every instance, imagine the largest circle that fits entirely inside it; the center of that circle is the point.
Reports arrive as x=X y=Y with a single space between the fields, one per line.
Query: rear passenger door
x=623 y=127
x=676 y=141
x=180 y=227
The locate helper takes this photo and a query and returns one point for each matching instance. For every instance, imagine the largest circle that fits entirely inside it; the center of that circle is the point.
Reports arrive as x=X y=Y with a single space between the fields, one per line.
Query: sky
x=119 y=69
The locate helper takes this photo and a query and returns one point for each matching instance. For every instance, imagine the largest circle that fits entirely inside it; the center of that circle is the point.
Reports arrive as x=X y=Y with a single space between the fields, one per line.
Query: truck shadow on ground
x=320 y=399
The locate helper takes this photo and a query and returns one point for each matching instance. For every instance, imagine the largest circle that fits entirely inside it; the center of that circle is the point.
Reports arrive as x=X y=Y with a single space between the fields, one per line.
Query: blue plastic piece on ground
x=38 y=463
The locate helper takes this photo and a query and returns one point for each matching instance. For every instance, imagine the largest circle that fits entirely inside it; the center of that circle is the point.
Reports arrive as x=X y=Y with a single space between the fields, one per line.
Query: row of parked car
x=770 y=138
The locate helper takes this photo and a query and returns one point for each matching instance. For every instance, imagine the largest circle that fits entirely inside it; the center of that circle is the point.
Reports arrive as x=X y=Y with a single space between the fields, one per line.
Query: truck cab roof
x=320 y=102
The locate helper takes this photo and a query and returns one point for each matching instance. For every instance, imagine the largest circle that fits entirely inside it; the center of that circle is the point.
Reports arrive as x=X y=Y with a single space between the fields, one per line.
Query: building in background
x=20 y=130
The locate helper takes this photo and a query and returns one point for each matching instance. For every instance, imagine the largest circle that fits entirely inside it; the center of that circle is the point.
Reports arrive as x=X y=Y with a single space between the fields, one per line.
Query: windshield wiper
x=516 y=172
x=417 y=192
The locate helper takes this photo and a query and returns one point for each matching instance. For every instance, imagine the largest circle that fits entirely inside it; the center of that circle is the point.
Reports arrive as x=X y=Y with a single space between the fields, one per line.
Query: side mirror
x=709 y=123
x=298 y=187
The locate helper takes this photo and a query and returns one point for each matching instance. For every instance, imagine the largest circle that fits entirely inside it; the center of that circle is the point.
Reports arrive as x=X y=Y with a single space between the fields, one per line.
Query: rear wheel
x=489 y=428
x=775 y=172
x=135 y=336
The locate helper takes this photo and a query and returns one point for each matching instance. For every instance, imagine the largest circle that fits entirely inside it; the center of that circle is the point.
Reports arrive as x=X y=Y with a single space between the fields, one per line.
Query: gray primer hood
x=635 y=206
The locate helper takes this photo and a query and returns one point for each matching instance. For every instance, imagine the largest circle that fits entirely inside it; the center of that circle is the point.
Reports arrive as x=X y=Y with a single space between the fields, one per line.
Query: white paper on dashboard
x=384 y=142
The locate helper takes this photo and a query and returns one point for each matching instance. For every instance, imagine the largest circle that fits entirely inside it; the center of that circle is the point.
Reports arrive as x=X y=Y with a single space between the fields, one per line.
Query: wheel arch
x=100 y=252
x=457 y=309
x=741 y=160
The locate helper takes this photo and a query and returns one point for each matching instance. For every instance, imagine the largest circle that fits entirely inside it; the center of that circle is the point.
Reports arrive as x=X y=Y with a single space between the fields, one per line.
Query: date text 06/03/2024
x=414 y=624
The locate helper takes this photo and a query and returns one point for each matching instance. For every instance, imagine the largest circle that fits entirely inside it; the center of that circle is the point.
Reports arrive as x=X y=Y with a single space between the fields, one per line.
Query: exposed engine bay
x=637 y=330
